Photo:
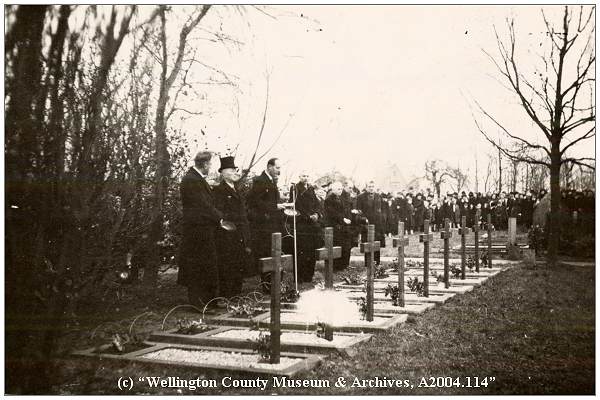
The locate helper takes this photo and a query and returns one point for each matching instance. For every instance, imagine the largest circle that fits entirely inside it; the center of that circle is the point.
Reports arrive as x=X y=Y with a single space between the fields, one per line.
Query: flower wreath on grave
x=394 y=292
x=438 y=277
x=288 y=293
x=413 y=264
x=380 y=272
x=121 y=343
x=416 y=286
x=263 y=346
x=362 y=307
x=354 y=278
x=455 y=270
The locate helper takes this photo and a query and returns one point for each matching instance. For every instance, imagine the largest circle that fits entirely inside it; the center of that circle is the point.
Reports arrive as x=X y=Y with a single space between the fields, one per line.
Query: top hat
x=227 y=162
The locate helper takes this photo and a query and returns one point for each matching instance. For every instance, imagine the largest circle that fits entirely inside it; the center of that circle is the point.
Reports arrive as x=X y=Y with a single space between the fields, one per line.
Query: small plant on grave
x=415 y=286
x=438 y=277
x=125 y=343
x=354 y=279
x=470 y=262
x=413 y=264
x=321 y=330
x=245 y=308
x=288 y=293
x=455 y=270
x=484 y=259
x=187 y=326
x=362 y=307
x=380 y=272
x=393 y=291
x=263 y=346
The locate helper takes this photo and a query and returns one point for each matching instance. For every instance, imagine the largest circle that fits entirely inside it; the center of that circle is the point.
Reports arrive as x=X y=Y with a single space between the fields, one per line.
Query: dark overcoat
x=198 y=255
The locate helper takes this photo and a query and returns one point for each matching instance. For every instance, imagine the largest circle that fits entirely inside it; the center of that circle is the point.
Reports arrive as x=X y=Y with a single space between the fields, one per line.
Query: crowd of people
x=225 y=232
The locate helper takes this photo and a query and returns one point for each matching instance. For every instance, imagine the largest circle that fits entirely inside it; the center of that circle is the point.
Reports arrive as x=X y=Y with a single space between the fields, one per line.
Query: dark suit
x=231 y=245
x=264 y=216
x=336 y=209
x=370 y=205
x=198 y=256
x=308 y=232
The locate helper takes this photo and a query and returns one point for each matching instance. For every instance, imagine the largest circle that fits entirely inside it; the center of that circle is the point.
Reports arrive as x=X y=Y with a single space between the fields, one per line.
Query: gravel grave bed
x=309 y=338
x=352 y=320
x=220 y=358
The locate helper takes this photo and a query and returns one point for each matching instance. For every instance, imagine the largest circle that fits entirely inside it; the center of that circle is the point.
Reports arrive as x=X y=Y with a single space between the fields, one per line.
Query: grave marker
x=463 y=231
x=369 y=248
x=275 y=264
x=489 y=229
x=446 y=234
x=400 y=242
x=425 y=238
x=476 y=231
x=512 y=231
x=328 y=252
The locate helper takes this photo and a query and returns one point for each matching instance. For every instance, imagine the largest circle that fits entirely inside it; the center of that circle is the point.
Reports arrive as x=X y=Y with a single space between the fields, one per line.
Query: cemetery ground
x=530 y=328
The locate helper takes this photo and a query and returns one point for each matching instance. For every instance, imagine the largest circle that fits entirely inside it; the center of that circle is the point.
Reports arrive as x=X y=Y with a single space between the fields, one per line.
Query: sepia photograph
x=294 y=199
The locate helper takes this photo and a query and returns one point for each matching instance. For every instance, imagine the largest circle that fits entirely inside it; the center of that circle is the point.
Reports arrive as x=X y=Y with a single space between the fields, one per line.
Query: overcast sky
x=364 y=86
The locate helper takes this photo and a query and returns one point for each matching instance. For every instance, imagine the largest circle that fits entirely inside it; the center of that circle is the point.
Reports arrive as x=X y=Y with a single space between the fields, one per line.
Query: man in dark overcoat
x=308 y=227
x=369 y=203
x=338 y=215
x=264 y=214
x=198 y=255
x=233 y=247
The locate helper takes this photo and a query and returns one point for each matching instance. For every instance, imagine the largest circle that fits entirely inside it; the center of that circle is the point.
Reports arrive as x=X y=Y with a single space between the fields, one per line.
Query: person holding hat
x=233 y=246
x=198 y=269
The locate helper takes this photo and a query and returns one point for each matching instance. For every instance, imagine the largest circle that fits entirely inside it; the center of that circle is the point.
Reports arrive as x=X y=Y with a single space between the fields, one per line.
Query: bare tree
x=556 y=97
x=436 y=172
x=460 y=178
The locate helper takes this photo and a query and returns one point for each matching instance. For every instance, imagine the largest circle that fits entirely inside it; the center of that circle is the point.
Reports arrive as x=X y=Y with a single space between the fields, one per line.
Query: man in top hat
x=201 y=219
x=264 y=213
x=233 y=246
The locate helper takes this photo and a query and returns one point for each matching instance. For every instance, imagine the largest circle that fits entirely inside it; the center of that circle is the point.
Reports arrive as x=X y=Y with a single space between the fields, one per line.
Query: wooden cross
x=275 y=264
x=446 y=234
x=425 y=238
x=369 y=248
x=463 y=231
x=400 y=242
x=328 y=253
x=476 y=231
x=489 y=229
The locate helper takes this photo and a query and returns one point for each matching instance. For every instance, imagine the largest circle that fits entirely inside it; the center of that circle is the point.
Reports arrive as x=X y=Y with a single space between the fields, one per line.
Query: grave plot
x=247 y=338
x=409 y=297
x=213 y=358
x=352 y=323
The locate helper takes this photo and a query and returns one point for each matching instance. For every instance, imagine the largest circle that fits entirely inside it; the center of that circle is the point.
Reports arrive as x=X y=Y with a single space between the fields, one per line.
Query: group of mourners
x=225 y=231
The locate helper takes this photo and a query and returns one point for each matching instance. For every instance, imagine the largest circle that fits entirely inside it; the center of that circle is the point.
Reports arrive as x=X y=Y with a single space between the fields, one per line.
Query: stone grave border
x=207 y=339
x=305 y=362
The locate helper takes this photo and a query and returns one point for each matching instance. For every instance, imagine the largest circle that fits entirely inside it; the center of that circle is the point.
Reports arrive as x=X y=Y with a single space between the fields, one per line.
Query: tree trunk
x=554 y=217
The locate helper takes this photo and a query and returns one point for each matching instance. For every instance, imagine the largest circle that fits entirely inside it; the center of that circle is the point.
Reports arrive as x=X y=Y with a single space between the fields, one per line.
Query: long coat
x=198 y=255
x=231 y=245
x=265 y=217
x=370 y=205
x=335 y=212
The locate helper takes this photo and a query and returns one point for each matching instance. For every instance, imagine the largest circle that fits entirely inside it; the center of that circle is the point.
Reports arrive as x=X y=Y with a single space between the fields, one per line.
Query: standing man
x=338 y=215
x=308 y=227
x=264 y=214
x=369 y=203
x=198 y=255
x=233 y=247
